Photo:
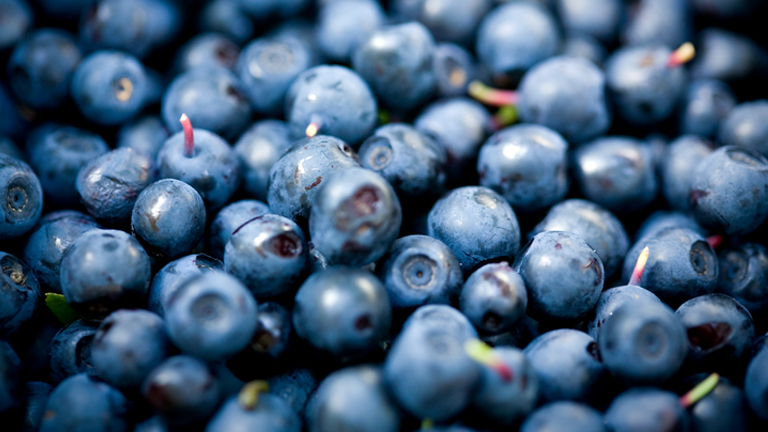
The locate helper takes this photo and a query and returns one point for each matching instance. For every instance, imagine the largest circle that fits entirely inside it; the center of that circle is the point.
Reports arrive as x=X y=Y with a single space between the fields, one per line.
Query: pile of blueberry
x=383 y=216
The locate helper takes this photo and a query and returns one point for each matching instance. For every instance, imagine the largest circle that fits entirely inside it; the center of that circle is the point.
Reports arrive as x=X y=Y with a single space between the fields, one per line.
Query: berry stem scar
x=491 y=96
x=189 y=136
x=482 y=353
x=701 y=390
x=682 y=55
x=637 y=273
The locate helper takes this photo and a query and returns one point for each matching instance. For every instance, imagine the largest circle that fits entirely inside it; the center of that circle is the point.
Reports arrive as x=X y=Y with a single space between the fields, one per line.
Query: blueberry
x=231 y=218
x=70 y=351
x=168 y=218
x=599 y=19
x=428 y=372
x=419 y=270
x=109 y=87
x=268 y=254
x=744 y=275
x=127 y=346
x=10 y=380
x=594 y=224
x=659 y=23
x=726 y=56
x=567 y=95
x=515 y=36
x=207 y=49
x=345 y=24
x=745 y=127
x=454 y=68
x=82 y=403
x=182 y=390
x=644 y=88
x=134 y=26
x=448 y=20
x=646 y=408
x=355 y=218
x=506 y=403
x=756 y=384
x=564 y=416
x=211 y=317
x=271 y=342
x=295 y=177
x=617 y=173
x=613 y=298
x=259 y=148
x=153 y=424
x=58 y=158
x=705 y=106
x=203 y=160
x=271 y=413
x=336 y=99
x=411 y=161
x=527 y=165
x=19 y=294
x=643 y=342
x=567 y=365
x=681 y=158
x=21 y=198
x=563 y=274
x=735 y=201
x=168 y=280
x=36 y=395
x=681 y=265
x=444 y=317
x=213 y=97
x=147 y=134
x=227 y=17
x=477 y=224
x=720 y=332
x=396 y=61
x=723 y=408
x=342 y=311
x=110 y=184
x=460 y=125
x=41 y=67
x=494 y=298
x=267 y=67
x=92 y=282
x=295 y=387
x=354 y=398
x=19 y=20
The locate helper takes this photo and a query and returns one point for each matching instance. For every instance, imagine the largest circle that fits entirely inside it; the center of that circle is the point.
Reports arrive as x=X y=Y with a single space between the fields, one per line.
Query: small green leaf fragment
x=60 y=308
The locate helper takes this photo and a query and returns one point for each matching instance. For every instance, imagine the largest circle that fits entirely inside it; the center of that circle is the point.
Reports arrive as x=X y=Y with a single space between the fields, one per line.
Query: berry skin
x=396 y=62
x=259 y=148
x=342 y=311
x=613 y=298
x=527 y=165
x=231 y=218
x=494 y=298
x=21 y=198
x=567 y=95
x=295 y=177
x=211 y=317
x=735 y=200
x=206 y=49
x=81 y=403
x=646 y=408
x=268 y=254
x=411 y=161
x=109 y=185
x=745 y=127
x=168 y=218
x=419 y=270
x=643 y=343
x=127 y=346
x=331 y=89
x=91 y=282
x=182 y=389
x=564 y=416
x=168 y=280
x=756 y=384
x=353 y=398
x=295 y=387
x=109 y=87
x=477 y=224
x=355 y=217
x=19 y=294
x=705 y=107
x=345 y=24
x=271 y=413
x=744 y=275
x=146 y=134
x=563 y=274
x=600 y=19
x=680 y=159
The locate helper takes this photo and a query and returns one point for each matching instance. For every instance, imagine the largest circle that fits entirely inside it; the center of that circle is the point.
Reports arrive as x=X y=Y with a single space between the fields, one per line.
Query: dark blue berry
x=231 y=218
x=494 y=298
x=81 y=402
x=564 y=416
x=21 y=198
x=19 y=294
x=70 y=351
x=168 y=280
x=259 y=148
